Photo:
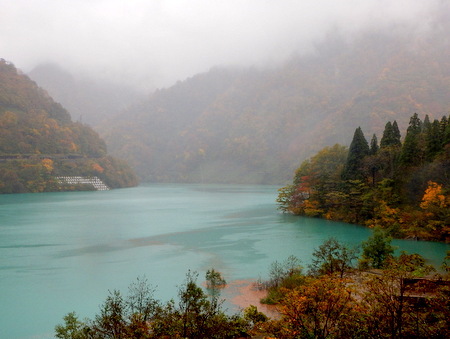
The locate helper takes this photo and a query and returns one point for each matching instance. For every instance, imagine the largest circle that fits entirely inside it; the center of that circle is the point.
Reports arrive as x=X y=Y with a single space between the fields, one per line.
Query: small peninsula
x=400 y=186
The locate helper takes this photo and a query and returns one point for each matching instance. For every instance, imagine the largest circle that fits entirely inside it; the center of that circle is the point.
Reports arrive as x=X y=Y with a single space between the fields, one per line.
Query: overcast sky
x=157 y=42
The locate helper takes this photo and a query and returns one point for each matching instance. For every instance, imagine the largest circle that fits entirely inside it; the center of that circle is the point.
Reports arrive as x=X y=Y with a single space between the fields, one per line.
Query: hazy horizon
x=153 y=44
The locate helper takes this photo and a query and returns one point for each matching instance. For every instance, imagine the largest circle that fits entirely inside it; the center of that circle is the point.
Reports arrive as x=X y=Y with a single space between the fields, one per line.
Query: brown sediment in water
x=243 y=293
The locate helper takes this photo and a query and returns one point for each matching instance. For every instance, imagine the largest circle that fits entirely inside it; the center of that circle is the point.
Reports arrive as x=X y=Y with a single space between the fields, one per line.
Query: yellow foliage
x=8 y=118
x=52 y=123
x=385 y=216
x=433 y=197
x=311 y=208
x=48 y=164
x=389 y=211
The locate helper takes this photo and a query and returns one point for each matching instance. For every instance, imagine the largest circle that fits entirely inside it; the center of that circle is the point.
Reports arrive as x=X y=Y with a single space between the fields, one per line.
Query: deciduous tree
x=388 y=313
x=72 y=328
x=321 y=308
x=332 y=257
x=377 y=249
x=111 y=322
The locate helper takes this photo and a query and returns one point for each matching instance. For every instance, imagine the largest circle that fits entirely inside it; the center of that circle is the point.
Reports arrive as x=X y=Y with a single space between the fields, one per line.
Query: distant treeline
x=34 y=174
x=7 y=157
x=402 y=187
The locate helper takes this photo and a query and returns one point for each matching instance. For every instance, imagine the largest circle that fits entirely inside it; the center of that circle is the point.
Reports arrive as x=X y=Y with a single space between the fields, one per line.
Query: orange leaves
x=96 y=167
x=320 y=308
x=433 y=197
x=436 y=211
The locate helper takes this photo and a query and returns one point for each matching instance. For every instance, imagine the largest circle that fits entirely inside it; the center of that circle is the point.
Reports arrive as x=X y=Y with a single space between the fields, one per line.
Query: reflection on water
x=62 y=252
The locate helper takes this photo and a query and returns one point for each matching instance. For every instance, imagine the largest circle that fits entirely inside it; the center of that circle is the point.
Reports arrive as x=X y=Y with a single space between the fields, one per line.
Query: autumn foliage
x=39 y=141
x=401 y=301
x=406 y=299
x=400 y=187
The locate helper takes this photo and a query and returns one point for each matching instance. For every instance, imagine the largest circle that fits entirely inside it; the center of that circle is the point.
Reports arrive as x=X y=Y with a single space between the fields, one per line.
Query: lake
x=62 y=252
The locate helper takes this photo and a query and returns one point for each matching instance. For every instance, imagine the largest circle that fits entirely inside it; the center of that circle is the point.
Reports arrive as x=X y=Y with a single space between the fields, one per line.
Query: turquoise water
x=62 y=252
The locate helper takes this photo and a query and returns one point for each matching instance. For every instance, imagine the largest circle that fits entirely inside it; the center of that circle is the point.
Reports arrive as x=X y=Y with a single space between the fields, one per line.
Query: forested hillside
x=255 y=125
x=402 y=187
x=39 y=141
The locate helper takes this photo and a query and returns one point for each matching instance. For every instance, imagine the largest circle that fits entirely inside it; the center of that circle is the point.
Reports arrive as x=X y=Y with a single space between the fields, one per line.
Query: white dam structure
x=97 y=183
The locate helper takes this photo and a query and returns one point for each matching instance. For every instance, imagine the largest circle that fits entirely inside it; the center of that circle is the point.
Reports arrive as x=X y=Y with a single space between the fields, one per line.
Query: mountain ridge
x=39 y=142
x=255 y=125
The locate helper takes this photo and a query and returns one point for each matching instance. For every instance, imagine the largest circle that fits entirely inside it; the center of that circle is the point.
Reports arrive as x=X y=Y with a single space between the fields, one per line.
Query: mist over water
x=62 y=252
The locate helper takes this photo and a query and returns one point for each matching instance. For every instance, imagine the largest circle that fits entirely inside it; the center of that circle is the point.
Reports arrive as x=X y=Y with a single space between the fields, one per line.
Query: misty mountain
x=87 y=99
x=256 y=126
x=39 y=141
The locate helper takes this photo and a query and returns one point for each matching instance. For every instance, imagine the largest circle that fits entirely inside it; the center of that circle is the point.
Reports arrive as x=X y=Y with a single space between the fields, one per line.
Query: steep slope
x=256 y=126
x=413 y=79
x=38 y=141
x=157 y=135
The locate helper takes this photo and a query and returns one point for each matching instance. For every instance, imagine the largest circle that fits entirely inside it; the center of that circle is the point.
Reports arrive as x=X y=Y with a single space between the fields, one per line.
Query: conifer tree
x=391 y=135
x=444 y=123
x=411 y=151
x=359 y=148
x=433 y=139
x=386 y=139
x=374 y=145
x=426 y=123
x=396 y=135
x=415 y=124
x=445 y=131
x=446 y=136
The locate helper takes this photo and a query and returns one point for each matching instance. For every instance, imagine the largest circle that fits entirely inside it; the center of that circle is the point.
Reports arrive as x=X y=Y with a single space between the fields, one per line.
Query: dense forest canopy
x=400 y=186
x=39 y=141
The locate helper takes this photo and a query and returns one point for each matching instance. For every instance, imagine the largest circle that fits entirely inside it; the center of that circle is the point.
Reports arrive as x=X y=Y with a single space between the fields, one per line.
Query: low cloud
x=155 y=43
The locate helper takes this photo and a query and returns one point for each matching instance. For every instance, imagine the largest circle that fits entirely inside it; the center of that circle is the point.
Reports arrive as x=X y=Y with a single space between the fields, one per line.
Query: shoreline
x=242 y=294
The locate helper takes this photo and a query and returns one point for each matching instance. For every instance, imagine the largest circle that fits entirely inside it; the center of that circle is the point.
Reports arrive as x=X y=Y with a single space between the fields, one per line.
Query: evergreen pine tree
x=415 y=125
x=359 y=148
x=433 y=140
x=426 y=123
x=391 y=135
x=444 y=123
x=445 y=131
x=396 y=135
x=373 y=145
x=386 y=139
x=411 y=151
x=446 y=136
